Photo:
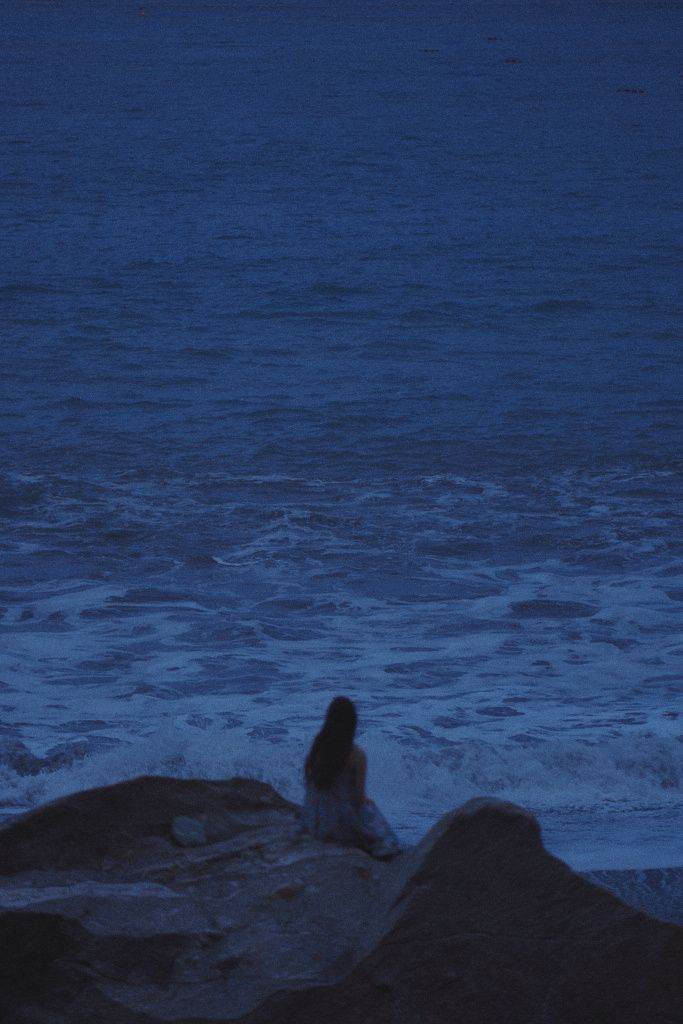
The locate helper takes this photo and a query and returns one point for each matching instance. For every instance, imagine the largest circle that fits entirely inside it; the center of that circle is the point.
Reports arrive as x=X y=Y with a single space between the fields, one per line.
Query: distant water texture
x=342 y=354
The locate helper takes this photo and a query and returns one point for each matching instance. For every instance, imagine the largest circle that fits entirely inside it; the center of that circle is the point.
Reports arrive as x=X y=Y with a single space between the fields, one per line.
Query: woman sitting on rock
x=336 y=807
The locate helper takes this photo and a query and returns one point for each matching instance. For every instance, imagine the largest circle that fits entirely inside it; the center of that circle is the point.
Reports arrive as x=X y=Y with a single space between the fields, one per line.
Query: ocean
x=341 y=353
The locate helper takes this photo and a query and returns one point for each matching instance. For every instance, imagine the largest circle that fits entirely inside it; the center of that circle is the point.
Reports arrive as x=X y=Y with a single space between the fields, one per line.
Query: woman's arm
x=359 y=771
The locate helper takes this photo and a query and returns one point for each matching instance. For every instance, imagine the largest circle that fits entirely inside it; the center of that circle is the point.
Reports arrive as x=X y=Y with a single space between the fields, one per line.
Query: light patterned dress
x=334 y=815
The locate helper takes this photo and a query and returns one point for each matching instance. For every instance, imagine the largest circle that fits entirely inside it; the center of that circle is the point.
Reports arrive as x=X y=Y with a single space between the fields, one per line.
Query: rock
x=188 y=831
x=150 y=931
x=131 y=820
x=34 y=942
x=104 y=919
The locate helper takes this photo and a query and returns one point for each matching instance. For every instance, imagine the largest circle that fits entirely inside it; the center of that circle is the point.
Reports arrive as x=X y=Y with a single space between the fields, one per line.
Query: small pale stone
x=188 y=831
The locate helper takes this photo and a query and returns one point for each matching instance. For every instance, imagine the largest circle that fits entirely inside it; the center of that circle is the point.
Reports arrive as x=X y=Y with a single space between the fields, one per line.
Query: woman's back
x=336 y=807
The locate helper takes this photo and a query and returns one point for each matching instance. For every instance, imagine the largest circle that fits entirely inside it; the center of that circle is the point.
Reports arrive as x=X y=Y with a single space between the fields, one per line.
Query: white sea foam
x=615 y=803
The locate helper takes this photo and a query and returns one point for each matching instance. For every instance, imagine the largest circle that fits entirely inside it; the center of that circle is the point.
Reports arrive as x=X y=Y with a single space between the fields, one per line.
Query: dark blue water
x=342 y=353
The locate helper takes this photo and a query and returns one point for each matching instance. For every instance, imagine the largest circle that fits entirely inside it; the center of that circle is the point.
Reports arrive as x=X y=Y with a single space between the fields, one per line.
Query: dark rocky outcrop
x=128 y=822
x=111 y=914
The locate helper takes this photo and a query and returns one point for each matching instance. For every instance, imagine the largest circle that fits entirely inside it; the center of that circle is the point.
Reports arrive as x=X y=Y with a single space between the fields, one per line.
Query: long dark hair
x=331 y=748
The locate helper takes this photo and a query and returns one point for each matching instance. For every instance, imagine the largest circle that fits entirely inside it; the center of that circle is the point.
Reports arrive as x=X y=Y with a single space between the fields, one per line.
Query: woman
x=336 y=807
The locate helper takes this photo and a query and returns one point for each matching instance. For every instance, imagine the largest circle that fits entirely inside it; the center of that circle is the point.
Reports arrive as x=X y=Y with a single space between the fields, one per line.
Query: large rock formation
x=110 y=913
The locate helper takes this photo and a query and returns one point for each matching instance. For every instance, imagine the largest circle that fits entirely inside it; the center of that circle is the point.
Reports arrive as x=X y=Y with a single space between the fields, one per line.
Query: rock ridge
x=108 y=917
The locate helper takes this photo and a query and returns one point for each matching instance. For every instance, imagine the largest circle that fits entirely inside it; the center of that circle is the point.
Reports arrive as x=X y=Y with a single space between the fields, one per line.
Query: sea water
x=341 y=353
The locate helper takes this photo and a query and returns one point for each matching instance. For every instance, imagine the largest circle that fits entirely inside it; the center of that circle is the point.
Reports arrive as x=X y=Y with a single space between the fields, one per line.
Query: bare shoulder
x=357 y=756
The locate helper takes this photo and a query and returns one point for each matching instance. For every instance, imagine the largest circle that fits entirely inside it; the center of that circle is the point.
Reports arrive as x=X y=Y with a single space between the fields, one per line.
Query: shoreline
x=656 y=889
